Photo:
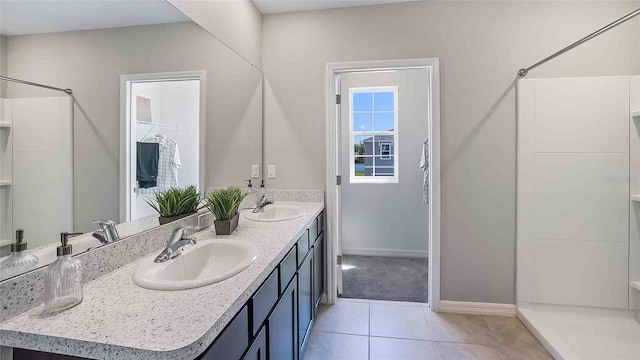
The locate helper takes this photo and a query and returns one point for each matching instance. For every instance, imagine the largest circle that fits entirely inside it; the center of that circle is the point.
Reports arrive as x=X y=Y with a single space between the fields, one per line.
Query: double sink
x=209 y=261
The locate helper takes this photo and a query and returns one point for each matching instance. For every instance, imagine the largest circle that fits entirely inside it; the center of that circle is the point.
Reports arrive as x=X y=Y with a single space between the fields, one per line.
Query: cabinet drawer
x=263 y=301
x=313 y=231
x=288 y=268
x=303 y=246
x=233 y=340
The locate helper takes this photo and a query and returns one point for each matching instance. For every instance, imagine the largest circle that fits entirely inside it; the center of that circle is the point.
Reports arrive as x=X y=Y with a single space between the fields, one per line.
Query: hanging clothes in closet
x=424 y=166
x=168 y=163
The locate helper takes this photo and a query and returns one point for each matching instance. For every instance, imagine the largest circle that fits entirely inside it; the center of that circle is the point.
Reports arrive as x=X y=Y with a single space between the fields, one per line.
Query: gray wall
x=384 y=217
x=481 y=45
x=237 y=23
x=91 y=62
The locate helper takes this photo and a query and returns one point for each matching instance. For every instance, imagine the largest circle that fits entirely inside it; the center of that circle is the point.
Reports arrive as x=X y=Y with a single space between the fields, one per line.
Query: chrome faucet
x=262 y=203
x=107 y=233
x=175 y=244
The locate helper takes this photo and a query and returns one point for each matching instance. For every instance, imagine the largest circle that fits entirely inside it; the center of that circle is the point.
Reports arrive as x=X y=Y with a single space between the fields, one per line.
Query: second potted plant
x=224 y=204
x=175 y=203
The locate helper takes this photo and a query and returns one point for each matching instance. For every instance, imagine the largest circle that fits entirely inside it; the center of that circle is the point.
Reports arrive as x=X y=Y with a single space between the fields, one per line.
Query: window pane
x=362 y=101
x=362 y=121
x=384 y=166
x=362 y=145
x=384 y=142
x=383 y=122
x=359 y=165
x=383 y=101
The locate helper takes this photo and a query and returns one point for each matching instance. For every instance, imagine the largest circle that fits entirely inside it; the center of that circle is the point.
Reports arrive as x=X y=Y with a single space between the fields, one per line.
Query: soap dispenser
x=63 y=279
x=20 y=260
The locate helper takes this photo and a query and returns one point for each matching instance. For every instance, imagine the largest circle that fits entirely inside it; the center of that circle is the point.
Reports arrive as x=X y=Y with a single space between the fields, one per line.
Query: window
x=385 y=151
x=373 y=134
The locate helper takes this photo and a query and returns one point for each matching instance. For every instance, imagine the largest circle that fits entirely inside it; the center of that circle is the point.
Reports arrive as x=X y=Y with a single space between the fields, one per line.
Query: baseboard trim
x=386 y=252
x=476 y=308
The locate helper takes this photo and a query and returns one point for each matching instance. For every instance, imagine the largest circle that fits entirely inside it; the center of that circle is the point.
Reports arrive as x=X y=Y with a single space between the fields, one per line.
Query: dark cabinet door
x=283 y=325
x=233 y=340
x=318 y=269
x=305 y=299
x=258 y=349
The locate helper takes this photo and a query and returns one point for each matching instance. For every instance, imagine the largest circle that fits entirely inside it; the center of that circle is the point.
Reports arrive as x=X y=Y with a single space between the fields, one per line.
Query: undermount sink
x=207 y=262
x=276 y=212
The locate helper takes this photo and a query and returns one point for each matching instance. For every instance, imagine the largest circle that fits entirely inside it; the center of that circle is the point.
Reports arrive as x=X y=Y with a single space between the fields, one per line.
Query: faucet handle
x=104 y=223
x=180 y=231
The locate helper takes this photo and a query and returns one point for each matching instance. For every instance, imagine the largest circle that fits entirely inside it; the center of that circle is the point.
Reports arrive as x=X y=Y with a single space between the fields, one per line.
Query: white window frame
x=352 y=168
x=388 y=156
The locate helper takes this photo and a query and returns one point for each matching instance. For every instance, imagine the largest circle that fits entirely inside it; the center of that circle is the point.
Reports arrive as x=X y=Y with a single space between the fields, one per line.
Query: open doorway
x=385 y=204
x=162 y=115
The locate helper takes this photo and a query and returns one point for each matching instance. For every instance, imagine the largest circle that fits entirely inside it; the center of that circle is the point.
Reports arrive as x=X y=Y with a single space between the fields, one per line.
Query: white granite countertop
x=119 y=320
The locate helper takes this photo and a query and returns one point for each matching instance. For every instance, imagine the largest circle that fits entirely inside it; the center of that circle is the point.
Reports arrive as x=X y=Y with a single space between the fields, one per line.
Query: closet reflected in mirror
x=154 y=98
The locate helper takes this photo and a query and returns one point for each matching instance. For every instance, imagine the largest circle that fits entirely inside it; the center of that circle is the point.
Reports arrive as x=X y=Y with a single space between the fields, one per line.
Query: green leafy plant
x=176 y=201
x=224 y=203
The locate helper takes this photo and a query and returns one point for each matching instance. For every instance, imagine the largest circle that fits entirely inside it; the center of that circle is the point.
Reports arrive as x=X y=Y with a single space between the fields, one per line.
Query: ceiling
x=20 y=17
x=283 y=6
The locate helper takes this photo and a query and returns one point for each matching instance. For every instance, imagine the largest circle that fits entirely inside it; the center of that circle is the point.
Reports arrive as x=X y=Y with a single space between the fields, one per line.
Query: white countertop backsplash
x=119 y=320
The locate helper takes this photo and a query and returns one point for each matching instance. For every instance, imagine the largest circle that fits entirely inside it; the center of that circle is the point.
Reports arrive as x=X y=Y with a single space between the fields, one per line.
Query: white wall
x=388 y=219
x=236 y=23
x=481 y=45
x=573 y=193
x=91 y=62
x=3 y=65
x=42 y=163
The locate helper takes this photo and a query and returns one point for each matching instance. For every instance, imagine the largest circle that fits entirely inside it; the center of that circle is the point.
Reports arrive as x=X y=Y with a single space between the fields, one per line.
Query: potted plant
x=223 y=204
x=175 y=203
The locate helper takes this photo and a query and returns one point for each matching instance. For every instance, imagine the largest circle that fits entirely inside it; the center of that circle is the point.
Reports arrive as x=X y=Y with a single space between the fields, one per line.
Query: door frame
x=333 y=166
x=125 y=142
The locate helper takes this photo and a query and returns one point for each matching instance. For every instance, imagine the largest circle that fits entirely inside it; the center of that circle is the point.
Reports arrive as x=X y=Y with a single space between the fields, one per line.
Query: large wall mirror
x=157 y=103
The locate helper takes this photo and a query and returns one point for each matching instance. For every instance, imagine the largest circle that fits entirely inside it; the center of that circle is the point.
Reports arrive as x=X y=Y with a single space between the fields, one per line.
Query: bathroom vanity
x=264 y=312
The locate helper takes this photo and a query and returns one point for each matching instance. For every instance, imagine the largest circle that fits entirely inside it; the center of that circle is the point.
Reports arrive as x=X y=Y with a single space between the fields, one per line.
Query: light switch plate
x=271 y=172
x=255 y=171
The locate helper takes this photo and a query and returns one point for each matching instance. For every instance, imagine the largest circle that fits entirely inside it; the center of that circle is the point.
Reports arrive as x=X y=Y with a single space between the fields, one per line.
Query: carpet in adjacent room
x=384 y=278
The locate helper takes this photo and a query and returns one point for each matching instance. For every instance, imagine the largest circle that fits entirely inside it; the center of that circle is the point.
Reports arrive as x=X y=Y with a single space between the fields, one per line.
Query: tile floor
x=370 y=329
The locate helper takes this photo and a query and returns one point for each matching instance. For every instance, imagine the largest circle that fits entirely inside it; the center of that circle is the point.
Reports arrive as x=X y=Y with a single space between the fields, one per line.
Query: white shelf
x=5 y=182
x=635 y=285
x=5 y=125
x=635 y=197
x=5 y=242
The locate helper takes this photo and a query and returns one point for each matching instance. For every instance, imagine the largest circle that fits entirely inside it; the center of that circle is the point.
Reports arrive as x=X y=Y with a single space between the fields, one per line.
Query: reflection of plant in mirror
x=176 y=201
x=224 y=203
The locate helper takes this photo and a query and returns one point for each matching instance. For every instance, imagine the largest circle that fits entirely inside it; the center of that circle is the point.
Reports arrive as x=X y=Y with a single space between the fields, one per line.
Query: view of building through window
x=374 y=134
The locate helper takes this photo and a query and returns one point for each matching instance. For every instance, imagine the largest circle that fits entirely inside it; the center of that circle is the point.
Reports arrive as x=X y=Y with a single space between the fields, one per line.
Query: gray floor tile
x=457 y=351
x=406 y=322
x=461 y=328
x=332 y=346
x=526 y=354
x=401 y=349
x=344 y=317
x=509 y=331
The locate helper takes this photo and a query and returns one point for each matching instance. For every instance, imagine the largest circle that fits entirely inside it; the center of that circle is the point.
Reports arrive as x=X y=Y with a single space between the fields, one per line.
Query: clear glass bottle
x=20 y=260
x=63 y=280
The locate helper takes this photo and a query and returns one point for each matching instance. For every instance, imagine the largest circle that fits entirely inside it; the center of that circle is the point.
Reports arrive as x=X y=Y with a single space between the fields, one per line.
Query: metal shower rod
x=66 y=91
x=523 y=72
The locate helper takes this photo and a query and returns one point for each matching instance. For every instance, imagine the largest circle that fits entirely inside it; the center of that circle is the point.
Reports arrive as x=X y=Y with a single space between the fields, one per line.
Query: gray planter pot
x=226 y=227
x=166 y=220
